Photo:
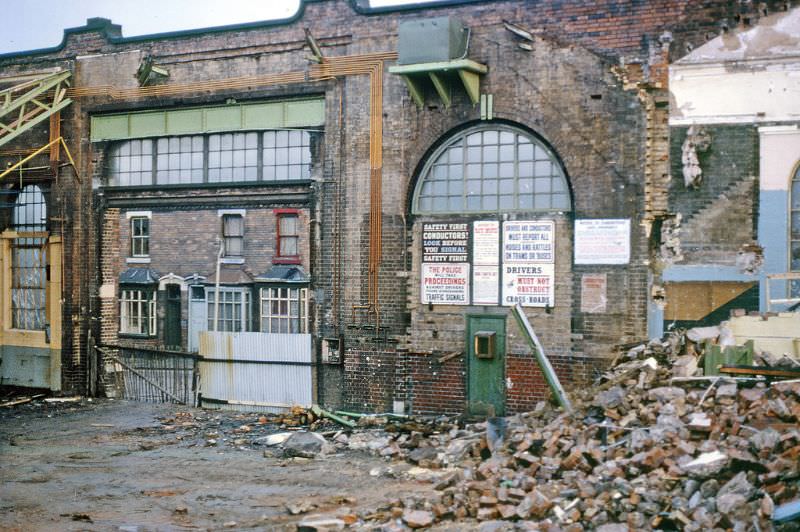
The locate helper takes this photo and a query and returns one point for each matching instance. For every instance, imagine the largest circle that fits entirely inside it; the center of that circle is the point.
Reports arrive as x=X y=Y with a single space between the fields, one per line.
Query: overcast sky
x=32 y=24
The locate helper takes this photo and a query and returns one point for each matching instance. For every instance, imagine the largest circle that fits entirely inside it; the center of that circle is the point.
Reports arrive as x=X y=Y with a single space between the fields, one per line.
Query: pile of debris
x=642 y=449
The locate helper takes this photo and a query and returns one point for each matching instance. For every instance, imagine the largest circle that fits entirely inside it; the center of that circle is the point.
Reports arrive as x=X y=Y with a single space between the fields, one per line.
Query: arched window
x=794 y=230
x=29 y=260
x=495 y=168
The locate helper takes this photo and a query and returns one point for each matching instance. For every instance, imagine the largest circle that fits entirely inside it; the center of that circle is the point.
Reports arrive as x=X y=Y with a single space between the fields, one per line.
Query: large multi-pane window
x=29 y=260
x=286 y=155
x=140 y=236
x=132 y=163
x=179 y=160
x=232 y=157
x=284 y=310
x=215 y=158
x=794 y=231
x=493 y=169
x=233 y=311
x=137 y=312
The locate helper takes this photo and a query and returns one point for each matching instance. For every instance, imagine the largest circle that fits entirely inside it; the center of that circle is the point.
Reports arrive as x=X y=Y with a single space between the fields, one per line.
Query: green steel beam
x=441 y=66
x=416 y=90
x=469 y=72
x=9 y=133
x=472 y=84
x=442 y=87
x=34 y=88
x=544 y=364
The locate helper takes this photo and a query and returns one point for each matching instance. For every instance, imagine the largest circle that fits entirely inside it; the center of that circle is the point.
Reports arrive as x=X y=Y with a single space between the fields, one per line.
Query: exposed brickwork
x=593 y=87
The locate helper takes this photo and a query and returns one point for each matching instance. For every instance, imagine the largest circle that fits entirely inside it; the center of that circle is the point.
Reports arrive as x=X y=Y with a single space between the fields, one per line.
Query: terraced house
x=342 y=207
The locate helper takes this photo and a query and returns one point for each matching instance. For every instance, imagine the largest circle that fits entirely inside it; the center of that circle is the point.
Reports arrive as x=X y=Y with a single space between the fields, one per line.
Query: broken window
x=288 y=236
x=140 y=236
x=233 y=312
x=794 y=232
x=493 y=169
x=233 y=234
x=284 y=310
x=137 y=312
x=29 y=261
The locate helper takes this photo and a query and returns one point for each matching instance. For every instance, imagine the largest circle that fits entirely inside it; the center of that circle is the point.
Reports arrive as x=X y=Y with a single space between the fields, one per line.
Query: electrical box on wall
x=431 y=40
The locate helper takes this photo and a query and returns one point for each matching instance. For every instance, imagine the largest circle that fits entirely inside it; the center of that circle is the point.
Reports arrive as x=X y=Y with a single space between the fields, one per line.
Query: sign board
x=603 y=241
x=445 y=284
x=486 y=242
x=485 y=285
x=445 y=242
x=530 y=285
x=593 y=293
x=528 y=241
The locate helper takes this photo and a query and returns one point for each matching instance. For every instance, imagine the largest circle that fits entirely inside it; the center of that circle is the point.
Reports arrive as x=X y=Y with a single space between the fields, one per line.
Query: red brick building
x=393 y=195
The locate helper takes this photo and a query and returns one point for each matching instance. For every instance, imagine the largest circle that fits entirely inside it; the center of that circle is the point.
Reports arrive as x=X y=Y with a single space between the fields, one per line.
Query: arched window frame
x=529 y=178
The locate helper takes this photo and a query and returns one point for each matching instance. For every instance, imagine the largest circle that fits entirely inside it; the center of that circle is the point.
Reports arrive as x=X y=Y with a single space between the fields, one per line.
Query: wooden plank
x=760 y=370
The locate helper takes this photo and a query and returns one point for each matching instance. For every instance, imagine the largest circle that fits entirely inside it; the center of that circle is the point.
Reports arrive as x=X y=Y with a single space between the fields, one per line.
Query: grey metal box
x=430 y=40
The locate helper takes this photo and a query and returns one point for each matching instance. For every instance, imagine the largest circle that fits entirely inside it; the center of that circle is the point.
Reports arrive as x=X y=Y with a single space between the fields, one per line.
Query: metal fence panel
x=252 y=371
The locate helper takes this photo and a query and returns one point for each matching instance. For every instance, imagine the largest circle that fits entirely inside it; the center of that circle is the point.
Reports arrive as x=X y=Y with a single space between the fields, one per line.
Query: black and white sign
x=445 y=242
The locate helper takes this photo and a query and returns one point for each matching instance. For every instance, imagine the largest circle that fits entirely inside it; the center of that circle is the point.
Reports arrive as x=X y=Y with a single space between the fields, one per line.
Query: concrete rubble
x=643 y=450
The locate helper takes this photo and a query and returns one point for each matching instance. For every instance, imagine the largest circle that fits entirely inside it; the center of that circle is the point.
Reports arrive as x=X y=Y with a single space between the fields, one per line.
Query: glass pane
x=288 y=225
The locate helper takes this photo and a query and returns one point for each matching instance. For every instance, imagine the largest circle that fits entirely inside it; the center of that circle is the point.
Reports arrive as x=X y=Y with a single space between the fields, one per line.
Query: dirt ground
x=117 y=465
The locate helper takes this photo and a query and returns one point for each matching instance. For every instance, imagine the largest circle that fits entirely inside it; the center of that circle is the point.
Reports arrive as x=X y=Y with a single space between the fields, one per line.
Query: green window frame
x=490 y=169
x=214 y=158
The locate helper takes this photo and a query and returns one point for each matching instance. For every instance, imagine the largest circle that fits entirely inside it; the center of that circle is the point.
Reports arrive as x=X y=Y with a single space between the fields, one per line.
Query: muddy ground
x=117 y=465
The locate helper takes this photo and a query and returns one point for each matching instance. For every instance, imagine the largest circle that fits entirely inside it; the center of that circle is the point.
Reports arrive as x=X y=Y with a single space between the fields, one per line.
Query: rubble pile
x=642 y=450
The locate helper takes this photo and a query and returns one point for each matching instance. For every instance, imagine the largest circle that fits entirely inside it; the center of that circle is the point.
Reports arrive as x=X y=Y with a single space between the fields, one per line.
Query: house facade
x=329 y=175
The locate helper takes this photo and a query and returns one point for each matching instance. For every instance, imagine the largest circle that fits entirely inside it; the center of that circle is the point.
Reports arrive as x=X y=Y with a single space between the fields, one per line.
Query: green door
x=486 y=350
x=172 y=318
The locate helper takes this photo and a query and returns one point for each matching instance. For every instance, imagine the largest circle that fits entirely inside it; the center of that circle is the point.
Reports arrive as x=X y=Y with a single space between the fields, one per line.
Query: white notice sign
x=485 y=284
x=530 y=285
x=528 y=241
x=445 y=284
x=603 y=241
x=485 y=242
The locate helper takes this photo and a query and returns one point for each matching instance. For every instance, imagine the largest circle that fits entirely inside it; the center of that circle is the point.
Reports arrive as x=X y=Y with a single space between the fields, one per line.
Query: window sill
x=232 y=260
x=286 y=260
x=137 y=260
x=134 y=335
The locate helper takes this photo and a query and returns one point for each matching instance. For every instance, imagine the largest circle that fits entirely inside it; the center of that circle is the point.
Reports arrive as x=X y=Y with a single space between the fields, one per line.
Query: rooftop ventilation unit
x=431 y=40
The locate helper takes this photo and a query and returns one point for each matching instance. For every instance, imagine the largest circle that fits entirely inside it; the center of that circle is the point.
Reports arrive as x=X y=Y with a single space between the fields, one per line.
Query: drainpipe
x=216 y=284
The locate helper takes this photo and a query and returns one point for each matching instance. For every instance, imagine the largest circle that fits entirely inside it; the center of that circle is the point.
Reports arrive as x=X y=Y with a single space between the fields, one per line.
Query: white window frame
x=137 y=312
x=228 y=298
x=134 y=237
x=274 y=319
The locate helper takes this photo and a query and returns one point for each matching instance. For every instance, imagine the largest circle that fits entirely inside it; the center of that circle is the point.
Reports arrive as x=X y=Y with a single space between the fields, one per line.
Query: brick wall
x=718 y=216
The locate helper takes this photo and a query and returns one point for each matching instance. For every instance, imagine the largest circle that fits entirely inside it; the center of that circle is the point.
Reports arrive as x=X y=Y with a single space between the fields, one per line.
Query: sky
x=33 y=24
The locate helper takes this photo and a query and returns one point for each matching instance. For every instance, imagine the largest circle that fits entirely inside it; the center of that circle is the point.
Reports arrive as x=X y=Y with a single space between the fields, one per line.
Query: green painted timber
x=309 y=112
x=716 y=356
x=486 y=385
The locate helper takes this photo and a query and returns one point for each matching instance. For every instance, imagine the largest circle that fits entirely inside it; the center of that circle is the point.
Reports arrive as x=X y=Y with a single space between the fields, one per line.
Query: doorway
x=486 y=356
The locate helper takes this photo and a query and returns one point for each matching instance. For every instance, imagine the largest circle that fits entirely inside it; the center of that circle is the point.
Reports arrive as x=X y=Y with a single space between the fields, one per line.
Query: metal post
x=544 y=363
x=216 y=284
